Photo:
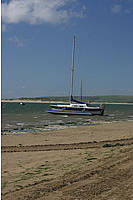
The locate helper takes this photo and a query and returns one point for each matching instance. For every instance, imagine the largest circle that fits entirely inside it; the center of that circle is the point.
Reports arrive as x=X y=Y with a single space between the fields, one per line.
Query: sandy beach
x=28 y=101
x=41 y=101
x=87 y=162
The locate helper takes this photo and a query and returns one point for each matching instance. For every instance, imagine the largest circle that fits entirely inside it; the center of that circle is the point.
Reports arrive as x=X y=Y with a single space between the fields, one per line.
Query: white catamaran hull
x=62 y=112
x=76 y=109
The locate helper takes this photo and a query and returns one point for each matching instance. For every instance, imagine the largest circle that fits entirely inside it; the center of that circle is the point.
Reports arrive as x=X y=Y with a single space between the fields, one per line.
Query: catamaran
x=76 y=107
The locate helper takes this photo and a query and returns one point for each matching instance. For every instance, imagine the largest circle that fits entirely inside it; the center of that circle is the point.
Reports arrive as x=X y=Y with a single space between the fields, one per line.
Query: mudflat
x=87 y=162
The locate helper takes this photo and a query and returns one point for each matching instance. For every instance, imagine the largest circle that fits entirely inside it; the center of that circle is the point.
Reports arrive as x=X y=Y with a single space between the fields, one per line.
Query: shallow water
x=32 y=117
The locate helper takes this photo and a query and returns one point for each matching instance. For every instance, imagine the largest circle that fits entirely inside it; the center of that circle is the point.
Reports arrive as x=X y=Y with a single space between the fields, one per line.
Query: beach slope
x=90 y=162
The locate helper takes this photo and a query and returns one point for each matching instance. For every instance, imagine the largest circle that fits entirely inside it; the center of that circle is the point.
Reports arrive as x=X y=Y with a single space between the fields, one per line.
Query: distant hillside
x=117 y=99
x=113 y=98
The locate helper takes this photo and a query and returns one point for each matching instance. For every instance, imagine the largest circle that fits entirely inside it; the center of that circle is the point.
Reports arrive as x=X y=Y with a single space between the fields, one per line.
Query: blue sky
x=37 y=38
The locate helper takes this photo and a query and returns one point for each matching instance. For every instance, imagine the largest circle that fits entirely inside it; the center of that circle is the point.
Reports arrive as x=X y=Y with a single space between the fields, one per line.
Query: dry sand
x=45 y=101
x=90 y=162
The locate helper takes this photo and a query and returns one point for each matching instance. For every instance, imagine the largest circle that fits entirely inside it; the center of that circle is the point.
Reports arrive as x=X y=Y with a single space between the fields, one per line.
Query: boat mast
x=81 y=90
x=71 y=91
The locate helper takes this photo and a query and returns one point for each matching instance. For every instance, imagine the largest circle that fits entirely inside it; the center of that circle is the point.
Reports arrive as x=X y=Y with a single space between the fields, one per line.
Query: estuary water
x=32 y=117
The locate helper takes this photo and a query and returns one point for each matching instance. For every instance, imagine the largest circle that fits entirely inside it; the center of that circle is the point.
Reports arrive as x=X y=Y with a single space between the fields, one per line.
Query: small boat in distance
x=76 y=107
x=21 y=103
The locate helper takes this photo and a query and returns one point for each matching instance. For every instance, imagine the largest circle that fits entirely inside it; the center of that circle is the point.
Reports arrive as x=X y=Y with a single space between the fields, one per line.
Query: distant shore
x=30 y=101
x=50 y=101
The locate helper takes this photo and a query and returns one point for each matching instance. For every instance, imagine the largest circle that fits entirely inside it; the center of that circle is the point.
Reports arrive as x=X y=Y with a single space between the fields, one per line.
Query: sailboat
x=76 y=107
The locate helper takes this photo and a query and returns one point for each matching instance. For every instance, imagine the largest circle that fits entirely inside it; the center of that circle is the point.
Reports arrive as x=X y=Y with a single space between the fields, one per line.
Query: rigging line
x=81 y=66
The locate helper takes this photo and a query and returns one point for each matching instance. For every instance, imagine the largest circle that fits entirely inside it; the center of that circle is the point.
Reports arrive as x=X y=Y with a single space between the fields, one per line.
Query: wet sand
x=88 y=162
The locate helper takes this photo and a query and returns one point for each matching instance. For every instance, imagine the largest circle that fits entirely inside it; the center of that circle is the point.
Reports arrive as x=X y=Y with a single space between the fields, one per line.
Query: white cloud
x=128 y=11
x=3 y=27
x=116 y=9
x=17 y=41
x=40 y=11
x=122 y=8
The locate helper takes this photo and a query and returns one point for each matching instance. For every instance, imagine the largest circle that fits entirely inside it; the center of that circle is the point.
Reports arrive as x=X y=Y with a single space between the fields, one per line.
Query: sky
x=37 y=39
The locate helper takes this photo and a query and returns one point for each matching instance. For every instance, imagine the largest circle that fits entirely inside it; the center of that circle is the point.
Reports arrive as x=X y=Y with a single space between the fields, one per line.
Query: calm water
x=32 y=117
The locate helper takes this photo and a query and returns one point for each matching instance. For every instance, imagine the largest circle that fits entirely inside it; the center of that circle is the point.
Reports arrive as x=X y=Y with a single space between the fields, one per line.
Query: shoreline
x=57 y=128
x=40 y=101
x=100 y=132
